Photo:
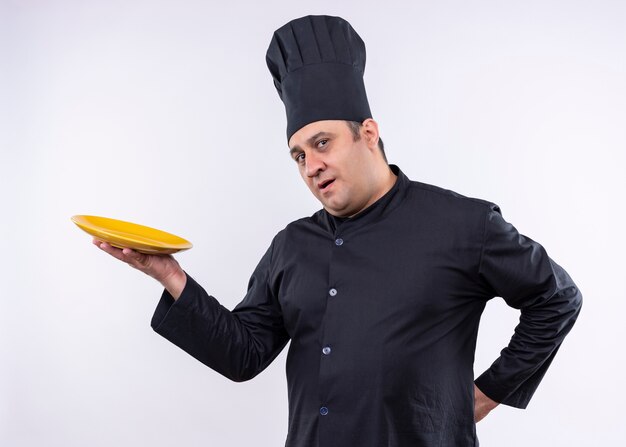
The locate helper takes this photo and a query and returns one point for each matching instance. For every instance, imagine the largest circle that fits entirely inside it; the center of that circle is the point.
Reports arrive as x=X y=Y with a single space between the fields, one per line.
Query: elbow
x=243 y=369
x=241 y=375
x=558 y=314
x=239 y=379
x=573 y=298
x=234 y=369
x=572 y=303
x=577 y=300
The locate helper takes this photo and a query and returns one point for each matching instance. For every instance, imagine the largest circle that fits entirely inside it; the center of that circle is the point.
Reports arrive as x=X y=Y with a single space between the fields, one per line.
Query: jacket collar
x=372 y=213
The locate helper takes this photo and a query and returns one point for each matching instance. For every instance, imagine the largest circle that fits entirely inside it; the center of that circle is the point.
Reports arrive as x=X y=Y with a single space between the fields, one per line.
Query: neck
x=385 y=179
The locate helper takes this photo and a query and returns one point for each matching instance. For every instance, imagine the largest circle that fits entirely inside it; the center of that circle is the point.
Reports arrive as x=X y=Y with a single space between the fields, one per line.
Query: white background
x=164 y=113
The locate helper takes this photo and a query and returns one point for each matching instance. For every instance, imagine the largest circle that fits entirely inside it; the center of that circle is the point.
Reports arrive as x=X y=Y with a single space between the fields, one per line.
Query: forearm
x=514 y=376
x=238 y=345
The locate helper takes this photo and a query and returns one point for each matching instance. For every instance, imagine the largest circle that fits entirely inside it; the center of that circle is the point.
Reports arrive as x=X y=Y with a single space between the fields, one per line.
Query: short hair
x=355 y=128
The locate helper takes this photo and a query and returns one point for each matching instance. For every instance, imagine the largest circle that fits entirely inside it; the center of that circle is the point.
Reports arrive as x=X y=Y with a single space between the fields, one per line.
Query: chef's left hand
x=482 y=405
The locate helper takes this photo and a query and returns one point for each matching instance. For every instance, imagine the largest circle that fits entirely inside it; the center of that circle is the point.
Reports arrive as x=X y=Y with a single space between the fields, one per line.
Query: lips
x=323 y=185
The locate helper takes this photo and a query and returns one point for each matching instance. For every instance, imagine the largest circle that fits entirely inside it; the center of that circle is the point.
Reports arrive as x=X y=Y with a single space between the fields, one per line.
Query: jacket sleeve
x=238 y=344
x=519 y=270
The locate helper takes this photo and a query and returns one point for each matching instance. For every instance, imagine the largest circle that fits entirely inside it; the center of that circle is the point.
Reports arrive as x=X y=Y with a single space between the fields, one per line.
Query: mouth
x=325 y=184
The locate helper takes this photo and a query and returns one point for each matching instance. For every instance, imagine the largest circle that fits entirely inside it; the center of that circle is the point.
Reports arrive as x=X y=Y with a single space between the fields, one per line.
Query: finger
x=98 y=242
x=136 y=259
x=115 y=252
x=133 y=255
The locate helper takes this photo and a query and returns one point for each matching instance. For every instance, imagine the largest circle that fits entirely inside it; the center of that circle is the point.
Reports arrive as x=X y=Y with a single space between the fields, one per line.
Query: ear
x=369 y=131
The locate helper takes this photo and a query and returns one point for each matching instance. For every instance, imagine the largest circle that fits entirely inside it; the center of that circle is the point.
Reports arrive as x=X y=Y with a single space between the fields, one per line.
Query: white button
x=332 y=292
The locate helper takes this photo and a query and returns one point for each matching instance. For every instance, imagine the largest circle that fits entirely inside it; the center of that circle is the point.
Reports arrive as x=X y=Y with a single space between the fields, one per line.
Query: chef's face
x=339 y=171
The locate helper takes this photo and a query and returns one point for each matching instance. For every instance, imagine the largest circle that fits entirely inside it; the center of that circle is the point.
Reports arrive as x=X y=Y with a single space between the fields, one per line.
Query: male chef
x=381 y=291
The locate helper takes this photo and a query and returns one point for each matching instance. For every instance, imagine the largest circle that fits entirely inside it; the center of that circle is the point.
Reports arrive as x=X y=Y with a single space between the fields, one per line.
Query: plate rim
x=81 y=221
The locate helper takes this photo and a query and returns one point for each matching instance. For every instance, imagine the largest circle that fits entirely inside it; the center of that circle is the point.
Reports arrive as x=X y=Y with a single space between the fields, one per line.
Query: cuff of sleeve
x=519 y=399
x=489 y=387
x=168 y=304
x=521 y=395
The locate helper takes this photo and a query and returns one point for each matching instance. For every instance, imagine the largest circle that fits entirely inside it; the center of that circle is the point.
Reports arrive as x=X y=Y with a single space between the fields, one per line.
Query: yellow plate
x=122 y=234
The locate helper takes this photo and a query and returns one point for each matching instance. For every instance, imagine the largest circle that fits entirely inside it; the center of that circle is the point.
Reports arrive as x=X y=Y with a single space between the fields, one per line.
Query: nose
x=313 y=164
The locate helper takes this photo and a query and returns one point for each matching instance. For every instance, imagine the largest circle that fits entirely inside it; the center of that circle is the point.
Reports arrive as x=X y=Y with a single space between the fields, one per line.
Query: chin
x=338 y=212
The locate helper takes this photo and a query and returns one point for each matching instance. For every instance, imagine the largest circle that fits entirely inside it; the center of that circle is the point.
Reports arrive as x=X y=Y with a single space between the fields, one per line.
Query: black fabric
x=317 y=64
x=398 y=302
x=335 y=221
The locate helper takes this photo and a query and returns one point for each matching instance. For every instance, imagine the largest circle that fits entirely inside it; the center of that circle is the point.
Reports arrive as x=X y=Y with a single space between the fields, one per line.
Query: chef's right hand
x=163 y=268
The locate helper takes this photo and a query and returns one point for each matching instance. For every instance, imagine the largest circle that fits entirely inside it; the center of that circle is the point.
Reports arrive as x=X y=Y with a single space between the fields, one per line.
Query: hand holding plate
x=163 y=268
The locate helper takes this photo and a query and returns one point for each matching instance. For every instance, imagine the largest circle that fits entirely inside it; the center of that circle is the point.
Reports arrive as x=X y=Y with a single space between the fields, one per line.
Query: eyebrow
x=310 y=141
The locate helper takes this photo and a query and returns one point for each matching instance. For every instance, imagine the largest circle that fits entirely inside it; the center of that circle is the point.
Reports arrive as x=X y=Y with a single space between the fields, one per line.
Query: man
x=382 y=290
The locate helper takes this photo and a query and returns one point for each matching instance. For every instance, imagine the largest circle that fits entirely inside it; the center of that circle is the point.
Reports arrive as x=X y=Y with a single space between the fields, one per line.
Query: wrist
x=483 y=400
x=175 y=282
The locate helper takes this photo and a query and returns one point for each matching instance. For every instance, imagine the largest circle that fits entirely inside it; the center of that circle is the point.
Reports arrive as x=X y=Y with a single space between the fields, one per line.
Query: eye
x=322 y=143
x=299 y=158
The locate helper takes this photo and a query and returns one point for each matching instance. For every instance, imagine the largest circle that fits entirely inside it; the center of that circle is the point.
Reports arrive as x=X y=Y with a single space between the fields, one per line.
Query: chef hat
x=317 y=63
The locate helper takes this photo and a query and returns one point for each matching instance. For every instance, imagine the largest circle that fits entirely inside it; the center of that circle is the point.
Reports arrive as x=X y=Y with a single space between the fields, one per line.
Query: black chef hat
x=317 y=63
